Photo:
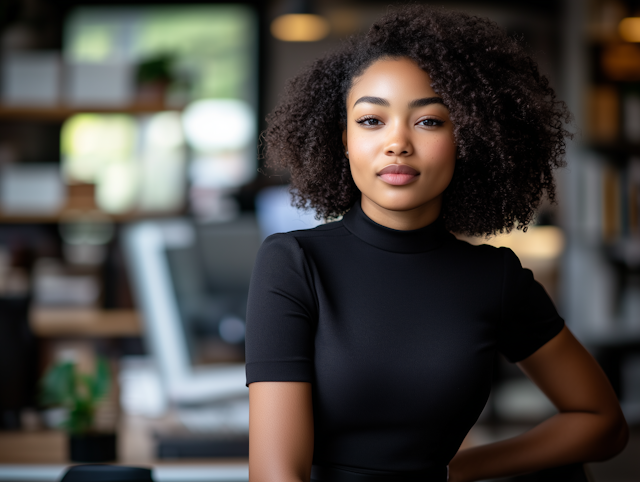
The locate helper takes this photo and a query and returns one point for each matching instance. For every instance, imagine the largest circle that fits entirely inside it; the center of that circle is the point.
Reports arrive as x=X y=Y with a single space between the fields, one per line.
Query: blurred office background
x=133 y=199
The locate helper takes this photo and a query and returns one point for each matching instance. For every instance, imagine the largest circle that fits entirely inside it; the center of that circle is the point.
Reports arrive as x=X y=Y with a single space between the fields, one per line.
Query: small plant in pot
x=154 y=75
x=79 y=394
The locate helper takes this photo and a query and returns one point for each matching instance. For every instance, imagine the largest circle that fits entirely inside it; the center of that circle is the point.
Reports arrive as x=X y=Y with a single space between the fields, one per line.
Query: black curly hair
x=508 y=124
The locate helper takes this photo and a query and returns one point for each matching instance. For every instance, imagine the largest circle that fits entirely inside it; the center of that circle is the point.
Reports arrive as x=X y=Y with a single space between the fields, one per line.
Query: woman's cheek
x=356 y=172
x=444 y=158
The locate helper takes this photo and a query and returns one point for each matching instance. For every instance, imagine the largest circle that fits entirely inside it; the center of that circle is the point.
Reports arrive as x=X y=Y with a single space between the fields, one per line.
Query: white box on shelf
x=31 y=189
x=31 y=79
x=99 y=84
x=60 y=289
x=55 y=285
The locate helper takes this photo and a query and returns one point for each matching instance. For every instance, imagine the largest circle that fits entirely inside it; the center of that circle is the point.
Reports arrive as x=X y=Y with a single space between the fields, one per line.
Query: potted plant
x=79 y=394
x=153 y=77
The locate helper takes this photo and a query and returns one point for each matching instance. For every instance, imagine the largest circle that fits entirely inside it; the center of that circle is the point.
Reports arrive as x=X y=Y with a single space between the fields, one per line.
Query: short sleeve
x=529 y=317
x=280 y=314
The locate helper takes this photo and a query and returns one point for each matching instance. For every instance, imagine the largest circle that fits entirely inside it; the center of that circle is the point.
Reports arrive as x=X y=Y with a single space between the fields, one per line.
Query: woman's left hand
x=589 y=427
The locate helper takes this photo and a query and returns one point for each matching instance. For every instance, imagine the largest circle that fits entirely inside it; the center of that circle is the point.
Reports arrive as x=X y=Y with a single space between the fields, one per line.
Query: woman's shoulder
x=293 y=241
x=286 y=259
x=501 y=257
x=478 y=248
x=334 y=228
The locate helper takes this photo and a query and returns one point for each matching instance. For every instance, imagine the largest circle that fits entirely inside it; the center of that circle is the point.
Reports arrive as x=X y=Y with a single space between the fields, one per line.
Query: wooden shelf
x=72 y=322
x=6 y=218
x=60 y=113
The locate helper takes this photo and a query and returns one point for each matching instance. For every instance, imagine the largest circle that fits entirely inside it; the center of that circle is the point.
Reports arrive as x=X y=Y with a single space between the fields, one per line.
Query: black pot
x=92 y=447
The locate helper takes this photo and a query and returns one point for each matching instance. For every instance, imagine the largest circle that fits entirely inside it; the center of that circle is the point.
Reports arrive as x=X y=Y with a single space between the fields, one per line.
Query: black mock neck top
x=397 y=331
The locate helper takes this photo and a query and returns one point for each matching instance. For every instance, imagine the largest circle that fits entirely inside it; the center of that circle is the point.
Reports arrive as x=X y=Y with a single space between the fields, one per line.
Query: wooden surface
x=72 y=322
x=43 y=447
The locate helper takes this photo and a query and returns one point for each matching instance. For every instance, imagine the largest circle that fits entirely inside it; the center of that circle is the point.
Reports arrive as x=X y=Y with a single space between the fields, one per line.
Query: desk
x=42 y=456
x=212 y=472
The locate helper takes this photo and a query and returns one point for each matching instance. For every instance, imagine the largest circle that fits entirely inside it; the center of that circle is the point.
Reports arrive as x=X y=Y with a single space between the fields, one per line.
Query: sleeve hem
x=556 y=327
x=280 y=371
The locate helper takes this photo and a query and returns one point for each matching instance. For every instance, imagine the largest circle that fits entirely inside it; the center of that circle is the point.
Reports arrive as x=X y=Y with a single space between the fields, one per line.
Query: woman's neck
x=404 y=220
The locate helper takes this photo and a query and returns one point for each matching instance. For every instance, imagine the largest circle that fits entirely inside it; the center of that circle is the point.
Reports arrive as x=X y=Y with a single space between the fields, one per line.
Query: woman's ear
x=344 y=140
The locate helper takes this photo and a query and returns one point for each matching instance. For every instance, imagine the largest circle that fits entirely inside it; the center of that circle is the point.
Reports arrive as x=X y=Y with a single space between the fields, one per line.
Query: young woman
x=371 y=340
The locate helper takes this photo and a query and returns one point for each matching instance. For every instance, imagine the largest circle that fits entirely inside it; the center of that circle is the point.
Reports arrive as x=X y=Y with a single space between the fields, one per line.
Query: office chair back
x=106 y=473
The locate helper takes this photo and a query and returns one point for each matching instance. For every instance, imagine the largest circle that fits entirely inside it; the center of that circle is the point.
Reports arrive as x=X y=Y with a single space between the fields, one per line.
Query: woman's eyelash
x=431 y=122
x=424 y=122
x=366 y=118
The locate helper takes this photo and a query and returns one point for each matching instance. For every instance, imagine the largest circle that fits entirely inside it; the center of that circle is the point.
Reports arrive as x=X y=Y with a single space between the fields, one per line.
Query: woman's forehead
x=391 y=79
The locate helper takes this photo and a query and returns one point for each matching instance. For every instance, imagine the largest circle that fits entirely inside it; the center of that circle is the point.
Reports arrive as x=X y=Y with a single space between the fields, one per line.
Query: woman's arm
x=589 y=427
x=280 y=432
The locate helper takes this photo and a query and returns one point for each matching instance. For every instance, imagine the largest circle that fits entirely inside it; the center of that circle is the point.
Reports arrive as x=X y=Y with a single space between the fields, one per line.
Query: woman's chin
x=405 y=204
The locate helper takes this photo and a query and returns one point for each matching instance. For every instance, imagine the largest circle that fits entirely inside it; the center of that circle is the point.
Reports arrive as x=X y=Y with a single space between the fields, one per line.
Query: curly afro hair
x=508 y=124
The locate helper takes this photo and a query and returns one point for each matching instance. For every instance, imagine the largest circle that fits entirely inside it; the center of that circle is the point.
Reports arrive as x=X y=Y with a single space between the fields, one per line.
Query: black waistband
x=332 y=474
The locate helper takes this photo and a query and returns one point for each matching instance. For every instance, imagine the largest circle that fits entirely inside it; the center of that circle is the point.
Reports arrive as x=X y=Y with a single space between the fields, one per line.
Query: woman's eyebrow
x=372 y=100
x=425 y=101
x=412 y=105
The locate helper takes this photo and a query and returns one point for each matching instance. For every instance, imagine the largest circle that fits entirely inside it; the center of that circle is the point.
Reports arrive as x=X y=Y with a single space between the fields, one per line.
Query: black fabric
x=396 y=330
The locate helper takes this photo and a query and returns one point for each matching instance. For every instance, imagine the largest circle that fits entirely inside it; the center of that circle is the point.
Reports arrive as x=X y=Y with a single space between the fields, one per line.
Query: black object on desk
x=18 y=363
x=185 y=445
x=107 y=473
x=93 y=447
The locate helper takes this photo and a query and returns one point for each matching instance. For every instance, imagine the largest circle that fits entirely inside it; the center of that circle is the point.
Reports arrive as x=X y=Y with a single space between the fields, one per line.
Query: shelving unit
x=601 y=191
x=60 y=113
x=62 y=215
x=80 y=326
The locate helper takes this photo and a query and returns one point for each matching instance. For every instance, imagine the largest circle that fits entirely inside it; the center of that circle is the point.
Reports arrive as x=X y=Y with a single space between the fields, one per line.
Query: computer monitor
x=191 y=283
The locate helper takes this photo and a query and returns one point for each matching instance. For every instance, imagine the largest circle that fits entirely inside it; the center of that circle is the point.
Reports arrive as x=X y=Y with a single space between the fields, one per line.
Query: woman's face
x=400 y=143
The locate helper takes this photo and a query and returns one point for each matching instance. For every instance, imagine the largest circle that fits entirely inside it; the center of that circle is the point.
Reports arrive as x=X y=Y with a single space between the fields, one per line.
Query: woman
x=371 y=340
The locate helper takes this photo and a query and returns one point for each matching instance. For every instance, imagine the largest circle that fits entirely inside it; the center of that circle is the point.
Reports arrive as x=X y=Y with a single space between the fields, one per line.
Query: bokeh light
x=91 y=141
x=629 y=29
x=300 y=27
x=117 y=187
x=214 y=125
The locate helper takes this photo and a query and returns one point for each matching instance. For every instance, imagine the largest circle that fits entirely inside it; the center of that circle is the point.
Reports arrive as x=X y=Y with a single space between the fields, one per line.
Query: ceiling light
x=629 y=29
x=300 y=27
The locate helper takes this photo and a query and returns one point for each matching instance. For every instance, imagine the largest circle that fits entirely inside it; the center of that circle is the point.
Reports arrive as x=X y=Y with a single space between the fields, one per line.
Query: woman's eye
x=369 y=121
x=430 y=122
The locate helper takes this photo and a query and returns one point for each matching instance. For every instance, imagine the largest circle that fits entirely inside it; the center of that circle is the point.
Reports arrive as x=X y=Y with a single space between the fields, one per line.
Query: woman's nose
x=398 y=142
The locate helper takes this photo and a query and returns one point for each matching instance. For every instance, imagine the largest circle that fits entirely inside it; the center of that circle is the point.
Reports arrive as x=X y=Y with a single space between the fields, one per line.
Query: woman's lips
x=398 y=175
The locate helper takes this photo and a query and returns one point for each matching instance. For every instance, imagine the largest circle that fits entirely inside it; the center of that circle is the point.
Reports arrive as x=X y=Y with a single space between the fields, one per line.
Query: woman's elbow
x=616 y=438
x=621 y=438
